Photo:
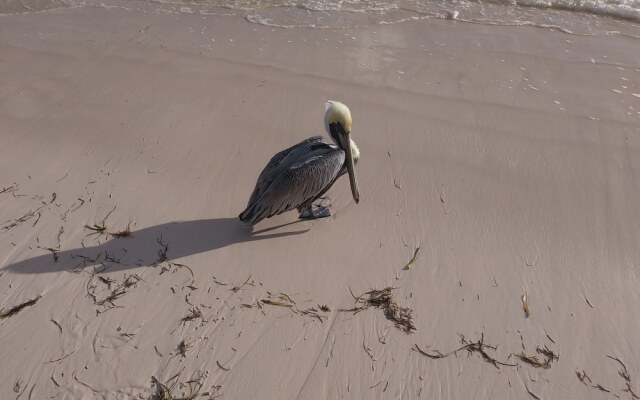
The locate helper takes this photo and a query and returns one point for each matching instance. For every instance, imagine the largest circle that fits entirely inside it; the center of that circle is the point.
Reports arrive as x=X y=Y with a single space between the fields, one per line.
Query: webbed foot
x=319 y=212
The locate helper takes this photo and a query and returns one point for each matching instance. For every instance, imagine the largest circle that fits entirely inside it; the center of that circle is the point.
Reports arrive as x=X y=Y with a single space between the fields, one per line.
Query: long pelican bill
x=346 y=145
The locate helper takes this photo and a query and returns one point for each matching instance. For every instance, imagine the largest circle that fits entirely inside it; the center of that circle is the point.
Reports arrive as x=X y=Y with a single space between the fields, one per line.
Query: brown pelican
x=297 y=176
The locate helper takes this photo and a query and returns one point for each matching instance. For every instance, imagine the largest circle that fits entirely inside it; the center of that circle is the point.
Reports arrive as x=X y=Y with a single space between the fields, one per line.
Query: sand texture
x=131 y=140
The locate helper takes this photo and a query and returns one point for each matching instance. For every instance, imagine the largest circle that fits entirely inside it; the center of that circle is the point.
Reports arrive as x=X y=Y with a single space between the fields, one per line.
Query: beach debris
x=535 y=396
x=583 y=377
x=184 y=347
x=16 y=309
x=280 y=300
x=72 y=209
x=162 y=253
x=162 y=391
x=117 y=292
x=26 y=217
x=525 y=306
x=471 y=347
x=97 y=229
x=285 y=301
x=548 y=353
x=534 y=361
x=60 y=232
x=312 y=312
x=236 y=288
x=9 y=189
x=588 y=302
x=368 y=350
x=413 y=259
x=549 y=357
x=194 y=313
x=549 y=337
x=324 y=308
x=56 y=323
x=54 y=253
x=102 y=230
x=194 y=386
x=624 y=373
x=107 y=281
x=601 y=388
x=59 y=359
x=222 y=367
x=143 y=30
x=402 y=317
x=126 y=232
x=120 y=290
x=164 y=258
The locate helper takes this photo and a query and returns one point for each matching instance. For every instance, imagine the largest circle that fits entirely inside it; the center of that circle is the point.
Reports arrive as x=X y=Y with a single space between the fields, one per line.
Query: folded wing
x=298 y=178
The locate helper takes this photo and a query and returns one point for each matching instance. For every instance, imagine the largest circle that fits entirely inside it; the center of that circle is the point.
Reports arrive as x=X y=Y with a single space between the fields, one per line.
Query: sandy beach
x=505 y=159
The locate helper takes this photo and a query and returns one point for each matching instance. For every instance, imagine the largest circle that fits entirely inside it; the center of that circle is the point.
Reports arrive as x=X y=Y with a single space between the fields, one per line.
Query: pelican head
x=337 y=122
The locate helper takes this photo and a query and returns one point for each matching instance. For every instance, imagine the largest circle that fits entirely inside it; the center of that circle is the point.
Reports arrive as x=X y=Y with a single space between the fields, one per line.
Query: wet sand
x=509 y=155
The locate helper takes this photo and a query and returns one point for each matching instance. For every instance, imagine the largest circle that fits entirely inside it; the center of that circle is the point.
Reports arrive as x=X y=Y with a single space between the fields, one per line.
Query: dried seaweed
x=276 y=303
x=126 y=232
x=119 y=291
x=97 y=229
x=222 y=367
x=312 y=312
x=162 y=253
x=59 y=359
x=163 y=390
x=54 y=253
x=624 y=373
x=413 y=259
x=183 y=348
x=548 y=353
x=194 y=313
x=26 y=217
x=534 y=361
x=583 y=377
x=236 y=288
x=16 y=309
x=402 y=317
x=535 y=396
x=284 y=300
x=10 y=189
x=471 y=347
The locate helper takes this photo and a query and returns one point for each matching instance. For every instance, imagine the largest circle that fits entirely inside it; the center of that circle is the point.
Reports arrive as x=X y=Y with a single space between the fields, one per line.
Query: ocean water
x=583 y=17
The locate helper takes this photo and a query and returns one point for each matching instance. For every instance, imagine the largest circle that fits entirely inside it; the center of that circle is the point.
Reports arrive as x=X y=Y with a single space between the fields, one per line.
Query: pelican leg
x=309 y=213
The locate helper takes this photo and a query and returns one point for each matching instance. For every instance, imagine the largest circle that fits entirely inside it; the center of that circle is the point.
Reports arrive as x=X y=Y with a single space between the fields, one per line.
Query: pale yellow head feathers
x=336 y=112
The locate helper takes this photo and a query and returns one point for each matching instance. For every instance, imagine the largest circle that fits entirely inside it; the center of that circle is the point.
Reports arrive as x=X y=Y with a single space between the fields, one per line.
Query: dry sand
x=510 y=156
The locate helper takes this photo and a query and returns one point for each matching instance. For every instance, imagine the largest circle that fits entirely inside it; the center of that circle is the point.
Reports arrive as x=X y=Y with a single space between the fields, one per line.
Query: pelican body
x=299 y=175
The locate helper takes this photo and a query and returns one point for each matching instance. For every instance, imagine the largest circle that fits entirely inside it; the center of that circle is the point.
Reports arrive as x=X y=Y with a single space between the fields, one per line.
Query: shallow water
x=583 y=17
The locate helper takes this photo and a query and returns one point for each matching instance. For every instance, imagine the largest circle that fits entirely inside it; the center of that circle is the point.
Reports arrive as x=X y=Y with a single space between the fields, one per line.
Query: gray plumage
x=294 y=178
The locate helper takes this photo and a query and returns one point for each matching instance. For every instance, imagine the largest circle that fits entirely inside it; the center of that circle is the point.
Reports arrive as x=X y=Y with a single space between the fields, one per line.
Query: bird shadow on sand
x=149 y=246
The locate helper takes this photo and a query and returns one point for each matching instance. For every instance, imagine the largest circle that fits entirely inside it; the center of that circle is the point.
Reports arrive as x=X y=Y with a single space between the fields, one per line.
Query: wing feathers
x=271 y=171
x=298 y=177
